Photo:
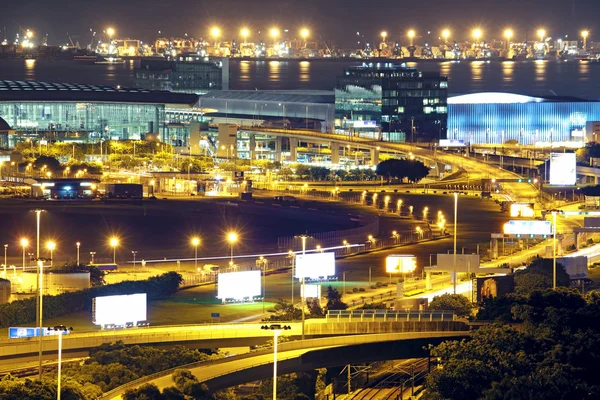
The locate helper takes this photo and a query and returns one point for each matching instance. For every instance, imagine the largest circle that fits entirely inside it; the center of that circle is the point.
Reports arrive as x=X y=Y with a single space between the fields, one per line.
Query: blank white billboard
x=243 y=285
x=400 y=264
x=315 y=265
x=311 y=291
x=119 y=310
x=563 y=169
x=521 y=227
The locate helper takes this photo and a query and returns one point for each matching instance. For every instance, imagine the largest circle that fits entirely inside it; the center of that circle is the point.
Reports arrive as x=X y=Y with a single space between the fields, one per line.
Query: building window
x=400 y=110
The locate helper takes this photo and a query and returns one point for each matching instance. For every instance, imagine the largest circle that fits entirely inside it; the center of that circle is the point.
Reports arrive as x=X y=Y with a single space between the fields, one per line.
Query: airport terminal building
x=63 y=111
x=495 y=118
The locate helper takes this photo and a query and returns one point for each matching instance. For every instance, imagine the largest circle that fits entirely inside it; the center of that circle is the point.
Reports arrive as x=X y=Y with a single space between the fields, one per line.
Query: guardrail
x=388 y=315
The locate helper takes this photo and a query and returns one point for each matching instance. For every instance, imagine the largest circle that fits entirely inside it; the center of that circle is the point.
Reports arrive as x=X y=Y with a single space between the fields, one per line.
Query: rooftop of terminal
x=73 y=92
x=288 y=96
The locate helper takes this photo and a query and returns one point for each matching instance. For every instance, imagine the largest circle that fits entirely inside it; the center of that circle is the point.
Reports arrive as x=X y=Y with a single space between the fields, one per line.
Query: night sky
x=334 y=20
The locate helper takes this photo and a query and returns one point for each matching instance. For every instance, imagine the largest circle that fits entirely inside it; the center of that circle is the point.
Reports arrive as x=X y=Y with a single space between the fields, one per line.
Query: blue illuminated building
x=495 y=118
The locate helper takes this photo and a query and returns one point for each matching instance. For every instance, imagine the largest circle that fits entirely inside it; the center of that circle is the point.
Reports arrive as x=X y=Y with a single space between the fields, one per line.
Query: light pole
x=133 y=252
x=5 y=249
x=24 y=244
x=292 y=255
x=61 y=329
x=38 y=213
x=114 y=242
x=40 y=264
x=78 y=245
x=92 y=254
x=51 y=246
x=455 y=221
x=554 y=251
x=584 y=35
x=195 y=243
x=232 y=238
x=411 y=36
x=277 y=329
x=303 y=238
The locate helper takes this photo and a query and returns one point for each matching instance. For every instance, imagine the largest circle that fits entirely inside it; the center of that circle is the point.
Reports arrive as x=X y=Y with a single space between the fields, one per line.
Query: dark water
x=573 y=78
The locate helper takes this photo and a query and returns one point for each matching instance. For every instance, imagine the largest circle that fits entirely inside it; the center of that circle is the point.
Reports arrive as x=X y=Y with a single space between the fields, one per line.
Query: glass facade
x=392 y=103
x=189 y=75
x=94 y=120
x=526 y=122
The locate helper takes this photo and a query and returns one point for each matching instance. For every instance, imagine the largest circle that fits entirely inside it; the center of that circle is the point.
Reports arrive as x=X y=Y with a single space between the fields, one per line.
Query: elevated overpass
x=217 y=335
x=299 y=356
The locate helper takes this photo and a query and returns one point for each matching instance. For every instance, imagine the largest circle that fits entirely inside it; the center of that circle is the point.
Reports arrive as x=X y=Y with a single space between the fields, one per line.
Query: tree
x=145 y=392
x=552 y=355
x=452 y=302
x=412 y=170
x=314 y=308
x=539 y=276
x=51 y=164
x=334 y=300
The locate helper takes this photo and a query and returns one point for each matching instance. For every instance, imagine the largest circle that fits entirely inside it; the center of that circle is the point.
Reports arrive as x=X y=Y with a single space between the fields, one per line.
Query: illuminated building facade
x=392 y=103
x=190 y=74
x=58 y=111
x=495 y=118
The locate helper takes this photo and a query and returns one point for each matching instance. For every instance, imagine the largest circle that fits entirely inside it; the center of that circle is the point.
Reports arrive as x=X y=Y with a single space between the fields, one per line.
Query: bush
x=452 y=302
x=23 y=311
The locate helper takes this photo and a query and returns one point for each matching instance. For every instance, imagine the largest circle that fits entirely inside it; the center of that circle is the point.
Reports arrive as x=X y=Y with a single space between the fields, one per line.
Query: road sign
x=23 y=332
x=215 y=315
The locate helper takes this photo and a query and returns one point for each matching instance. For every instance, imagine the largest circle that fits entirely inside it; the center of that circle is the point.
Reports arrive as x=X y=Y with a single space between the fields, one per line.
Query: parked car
x=285 y=199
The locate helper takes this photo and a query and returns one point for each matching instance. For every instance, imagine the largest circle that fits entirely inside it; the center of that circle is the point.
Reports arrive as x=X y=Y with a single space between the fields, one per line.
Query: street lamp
x=554 y=212
x=78 y=246
x=244 y=33
x=477 y=34
x=292 y=255
x=5 y=249
x=61 y=329
x=384 y=35
x=196 y=243
x=215 y=32
x=455 y=222
x=446 y=34
x=92 y=254
x=304 y=34
x=24 y=244
x=411 y=35
x=232 y=238
x=277 y=329
x=274 y=32
x=134 y=253
x=51 y=246
x=584 y=35
x=114 y=242
x=508 y=34
x=396 y=236
x=542 y=34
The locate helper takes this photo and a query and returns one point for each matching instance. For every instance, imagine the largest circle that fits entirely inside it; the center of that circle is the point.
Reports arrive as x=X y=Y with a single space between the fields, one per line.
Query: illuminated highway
x=289 y=351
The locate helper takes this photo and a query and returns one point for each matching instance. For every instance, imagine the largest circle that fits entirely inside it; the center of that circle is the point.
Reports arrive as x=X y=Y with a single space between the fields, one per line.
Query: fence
x=388 y=315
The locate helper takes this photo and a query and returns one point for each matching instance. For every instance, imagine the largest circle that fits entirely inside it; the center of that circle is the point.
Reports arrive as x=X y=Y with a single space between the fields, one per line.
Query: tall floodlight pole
x=455 y=221
x=78 y=245
x=554 y=251
x=40 y=264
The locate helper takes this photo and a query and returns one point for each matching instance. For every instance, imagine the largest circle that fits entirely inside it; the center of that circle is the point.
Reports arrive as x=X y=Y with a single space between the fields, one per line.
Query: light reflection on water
x=304 y=75
x=572 y=78
x=275 y=71
x=30 y=69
